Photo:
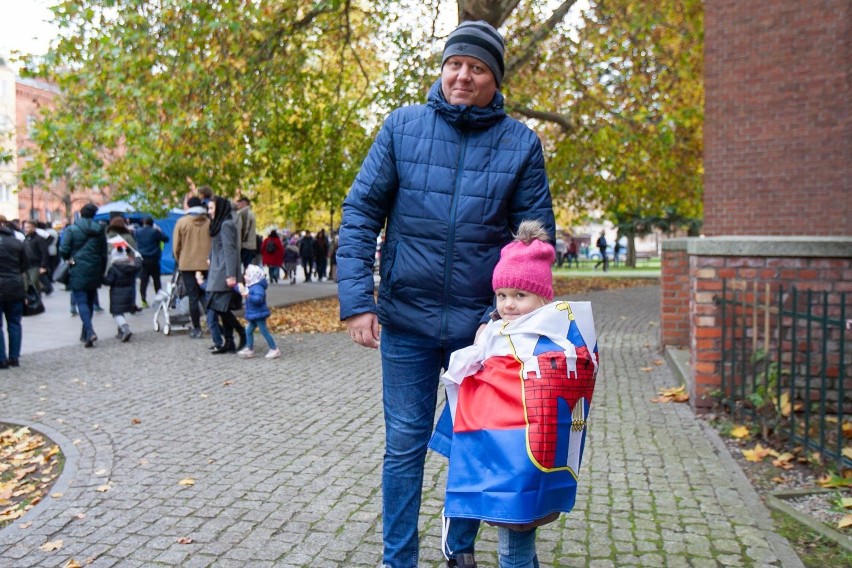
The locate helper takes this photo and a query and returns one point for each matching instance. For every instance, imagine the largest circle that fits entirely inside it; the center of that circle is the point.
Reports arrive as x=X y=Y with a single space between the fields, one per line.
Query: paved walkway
x=286 y=454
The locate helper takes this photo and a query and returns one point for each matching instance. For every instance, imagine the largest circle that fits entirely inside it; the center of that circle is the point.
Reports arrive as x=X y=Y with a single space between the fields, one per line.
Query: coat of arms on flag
x=519 y=401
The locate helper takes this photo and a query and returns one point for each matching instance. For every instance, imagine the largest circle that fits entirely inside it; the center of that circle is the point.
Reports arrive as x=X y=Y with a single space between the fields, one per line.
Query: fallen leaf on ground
x=26 y=525
x=51 y=545
x=740 y=432
x=56 y=495
x=646 y=369
x=846 y=502
x=136 y=421
x=845 y=522
x=72 y=564
x=784 y=461
x=103 y=488
x=187 y=481
x=833 y=480
x=757 y=453
x=184 y=540
x=227 y=383
x=674 y=394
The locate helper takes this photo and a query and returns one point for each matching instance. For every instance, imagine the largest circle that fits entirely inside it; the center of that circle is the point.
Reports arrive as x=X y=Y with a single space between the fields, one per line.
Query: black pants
x=230 y=324
x=193 y=290
x=308 y=267
x=321 y=263
x=150 y=268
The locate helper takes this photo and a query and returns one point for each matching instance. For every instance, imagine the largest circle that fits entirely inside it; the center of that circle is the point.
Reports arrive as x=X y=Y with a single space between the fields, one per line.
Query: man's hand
x=364 y=329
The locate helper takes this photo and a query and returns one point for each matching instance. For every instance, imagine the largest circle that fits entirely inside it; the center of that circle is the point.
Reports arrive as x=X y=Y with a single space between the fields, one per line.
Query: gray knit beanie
x=480 y=40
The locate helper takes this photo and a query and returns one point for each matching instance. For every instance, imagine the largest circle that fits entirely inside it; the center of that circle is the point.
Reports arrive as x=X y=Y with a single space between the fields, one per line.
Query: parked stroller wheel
x=167 y=329
x=156 y=326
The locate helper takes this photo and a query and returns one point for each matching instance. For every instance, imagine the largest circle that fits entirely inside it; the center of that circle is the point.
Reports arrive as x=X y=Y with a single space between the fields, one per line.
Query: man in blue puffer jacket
x=449 y=181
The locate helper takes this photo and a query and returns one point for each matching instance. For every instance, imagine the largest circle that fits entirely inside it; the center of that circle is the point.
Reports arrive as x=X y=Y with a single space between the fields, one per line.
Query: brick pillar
x=675 y=291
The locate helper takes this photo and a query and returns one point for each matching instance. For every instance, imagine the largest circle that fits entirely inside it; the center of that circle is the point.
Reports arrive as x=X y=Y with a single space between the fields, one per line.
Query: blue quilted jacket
x=452 y=182
x=256 y=307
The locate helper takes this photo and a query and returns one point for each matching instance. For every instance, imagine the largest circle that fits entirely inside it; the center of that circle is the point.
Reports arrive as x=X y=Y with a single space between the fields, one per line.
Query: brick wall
x=778 y=124
x=675 y=290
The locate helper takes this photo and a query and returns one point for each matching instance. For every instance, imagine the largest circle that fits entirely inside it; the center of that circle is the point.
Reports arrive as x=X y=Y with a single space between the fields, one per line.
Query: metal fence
x=785 y=366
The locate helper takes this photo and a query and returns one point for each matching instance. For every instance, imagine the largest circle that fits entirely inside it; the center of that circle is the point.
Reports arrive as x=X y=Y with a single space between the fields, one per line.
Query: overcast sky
x=23 y=26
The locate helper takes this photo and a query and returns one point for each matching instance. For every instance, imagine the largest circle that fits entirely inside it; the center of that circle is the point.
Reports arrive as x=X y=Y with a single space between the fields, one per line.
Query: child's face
x=513 y=303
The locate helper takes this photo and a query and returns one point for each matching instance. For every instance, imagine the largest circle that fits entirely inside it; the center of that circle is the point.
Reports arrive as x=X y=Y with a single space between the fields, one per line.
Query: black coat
x=36 y=248
x=121 y=279
x=13 y=263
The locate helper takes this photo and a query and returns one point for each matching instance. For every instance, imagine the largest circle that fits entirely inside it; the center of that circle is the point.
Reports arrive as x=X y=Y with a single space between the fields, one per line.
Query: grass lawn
x=645 y=268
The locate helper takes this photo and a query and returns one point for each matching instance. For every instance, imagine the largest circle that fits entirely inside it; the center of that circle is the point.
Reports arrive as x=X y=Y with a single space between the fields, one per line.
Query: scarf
x=222 y=212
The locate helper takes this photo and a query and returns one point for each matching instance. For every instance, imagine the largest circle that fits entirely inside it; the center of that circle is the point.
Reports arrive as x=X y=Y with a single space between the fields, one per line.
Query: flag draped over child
x=519 y=401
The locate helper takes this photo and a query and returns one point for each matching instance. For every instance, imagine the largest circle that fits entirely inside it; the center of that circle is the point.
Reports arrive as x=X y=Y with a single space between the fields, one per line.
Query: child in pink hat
x=519 y=400
x=523 y=279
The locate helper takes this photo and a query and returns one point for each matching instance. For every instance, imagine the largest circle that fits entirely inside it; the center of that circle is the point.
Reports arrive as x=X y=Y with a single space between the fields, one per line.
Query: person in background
x=248 y=231
x=37 y=255
x=602 y=246
x=561 y=250
x=52 y=255
x=191 y=249
x=321 y=254
x=447 y=214
x=572 y=253
x=121 y=279
x=224 y=272
x=306 y=252
x=257 y=312
x=85 y=242
x=13 y=264
x=272 y=252
x=291 y=258
x=149 y=241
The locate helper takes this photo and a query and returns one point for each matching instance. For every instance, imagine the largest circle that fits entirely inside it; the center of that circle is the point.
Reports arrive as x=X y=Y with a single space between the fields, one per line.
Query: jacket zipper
x=451 y=238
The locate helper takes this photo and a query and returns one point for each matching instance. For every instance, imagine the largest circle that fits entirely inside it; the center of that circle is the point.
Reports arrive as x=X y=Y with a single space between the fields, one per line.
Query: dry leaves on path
x=673 y=394
x=323 y=316
x=29 y=464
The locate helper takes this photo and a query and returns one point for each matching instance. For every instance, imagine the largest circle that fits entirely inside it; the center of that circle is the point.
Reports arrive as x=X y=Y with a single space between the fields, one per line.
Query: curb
x=775 y=500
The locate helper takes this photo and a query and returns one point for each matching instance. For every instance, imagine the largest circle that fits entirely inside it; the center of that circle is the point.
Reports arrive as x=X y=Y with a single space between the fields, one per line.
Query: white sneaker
x=246 y=353
x=273 y=354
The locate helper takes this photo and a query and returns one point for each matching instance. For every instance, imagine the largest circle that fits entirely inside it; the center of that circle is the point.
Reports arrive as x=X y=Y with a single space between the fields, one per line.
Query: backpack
x=270 y=246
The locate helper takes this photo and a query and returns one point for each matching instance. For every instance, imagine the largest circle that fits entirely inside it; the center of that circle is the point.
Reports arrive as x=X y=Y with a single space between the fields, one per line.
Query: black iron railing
x=784 y=364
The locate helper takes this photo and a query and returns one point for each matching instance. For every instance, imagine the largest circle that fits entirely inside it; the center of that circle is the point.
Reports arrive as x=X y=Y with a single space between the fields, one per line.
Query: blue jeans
x=516 y=549
x=12 y=311
x=214 y=328
x=411 y=367
x=85 y=302
x=264 y=331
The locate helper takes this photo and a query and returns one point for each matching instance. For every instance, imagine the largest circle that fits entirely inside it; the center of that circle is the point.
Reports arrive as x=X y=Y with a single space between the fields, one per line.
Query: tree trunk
x=493 y=12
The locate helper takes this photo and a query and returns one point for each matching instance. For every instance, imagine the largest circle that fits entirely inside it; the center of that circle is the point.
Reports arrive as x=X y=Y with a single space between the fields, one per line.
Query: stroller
x=172 y=306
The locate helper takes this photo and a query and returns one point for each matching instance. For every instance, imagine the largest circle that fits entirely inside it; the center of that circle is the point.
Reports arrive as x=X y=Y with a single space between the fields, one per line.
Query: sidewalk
x=57 y=328
x=286 y=458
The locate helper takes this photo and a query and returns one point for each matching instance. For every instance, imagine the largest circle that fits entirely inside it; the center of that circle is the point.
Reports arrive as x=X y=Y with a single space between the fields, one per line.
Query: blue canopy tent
x=166 y=224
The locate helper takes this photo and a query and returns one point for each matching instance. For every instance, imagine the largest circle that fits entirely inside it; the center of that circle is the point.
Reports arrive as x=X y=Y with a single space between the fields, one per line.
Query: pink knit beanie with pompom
x=526 y=262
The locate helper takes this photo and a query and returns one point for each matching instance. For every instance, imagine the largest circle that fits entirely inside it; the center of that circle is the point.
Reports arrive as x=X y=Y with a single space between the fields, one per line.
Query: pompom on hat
x=526 y=262
x=477 y=39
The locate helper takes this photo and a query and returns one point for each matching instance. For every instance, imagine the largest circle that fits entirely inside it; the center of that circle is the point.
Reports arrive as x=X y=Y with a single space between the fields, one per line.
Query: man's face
x=29 y=228
x=466 y=80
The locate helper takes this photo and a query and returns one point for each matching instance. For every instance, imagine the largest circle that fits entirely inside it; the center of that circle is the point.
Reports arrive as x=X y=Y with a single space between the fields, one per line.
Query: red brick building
x=778 y=181
x=43 y=202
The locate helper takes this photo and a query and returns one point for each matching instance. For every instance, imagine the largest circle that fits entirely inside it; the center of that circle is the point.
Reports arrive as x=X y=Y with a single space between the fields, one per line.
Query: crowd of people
x=218 y=257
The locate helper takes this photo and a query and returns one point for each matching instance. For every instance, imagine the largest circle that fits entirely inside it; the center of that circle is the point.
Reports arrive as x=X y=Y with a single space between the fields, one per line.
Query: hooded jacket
x=191 y=246
x=256 y=307
x=452 y=182
x=85 y=242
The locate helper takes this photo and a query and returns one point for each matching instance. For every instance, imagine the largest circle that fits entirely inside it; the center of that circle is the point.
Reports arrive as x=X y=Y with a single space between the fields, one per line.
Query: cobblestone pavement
x=285 y=457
